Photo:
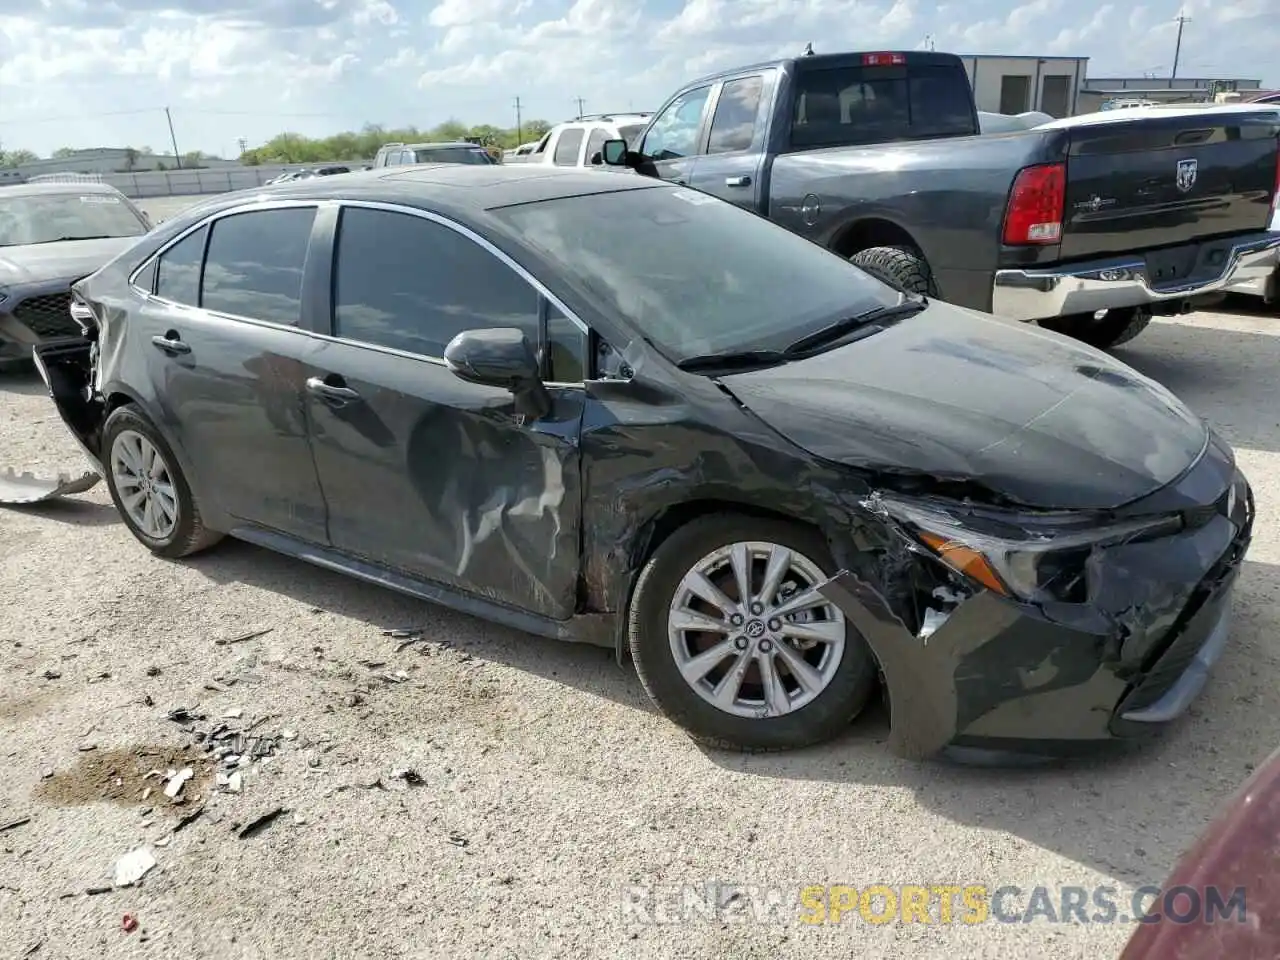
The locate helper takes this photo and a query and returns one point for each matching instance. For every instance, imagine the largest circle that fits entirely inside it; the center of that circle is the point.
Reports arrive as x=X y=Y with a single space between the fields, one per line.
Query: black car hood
x=65 y=260
x=1033 y=416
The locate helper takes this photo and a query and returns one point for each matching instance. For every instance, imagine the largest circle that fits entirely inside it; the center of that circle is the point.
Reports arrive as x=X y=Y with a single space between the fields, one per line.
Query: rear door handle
x=334 y=394
x=737 y=181
x=171 y=344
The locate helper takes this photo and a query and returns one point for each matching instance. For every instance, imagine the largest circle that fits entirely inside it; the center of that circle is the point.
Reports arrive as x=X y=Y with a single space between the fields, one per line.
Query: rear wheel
x=732 y=640
x=149 y=489
x=900 y=267
x=1114 y=328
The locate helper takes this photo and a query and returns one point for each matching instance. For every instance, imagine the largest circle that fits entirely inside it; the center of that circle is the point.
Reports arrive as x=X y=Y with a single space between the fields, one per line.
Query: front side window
x=178 y=270
x=567 y=348
x=675 y=133
x=55 y=217
x=734 y=123
x=693 y=273
x=254 y=264
x=412 y=284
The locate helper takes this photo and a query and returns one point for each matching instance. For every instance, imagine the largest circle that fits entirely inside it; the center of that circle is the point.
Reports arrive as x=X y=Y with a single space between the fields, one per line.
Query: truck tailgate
x=1155 y=181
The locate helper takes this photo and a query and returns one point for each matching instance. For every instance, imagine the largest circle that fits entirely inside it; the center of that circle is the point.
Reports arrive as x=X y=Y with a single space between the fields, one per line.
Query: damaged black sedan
x=615 y=411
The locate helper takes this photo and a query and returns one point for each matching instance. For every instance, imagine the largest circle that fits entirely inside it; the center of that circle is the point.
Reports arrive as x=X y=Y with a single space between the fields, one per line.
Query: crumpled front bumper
x=1118 y=282
x=1000 y=677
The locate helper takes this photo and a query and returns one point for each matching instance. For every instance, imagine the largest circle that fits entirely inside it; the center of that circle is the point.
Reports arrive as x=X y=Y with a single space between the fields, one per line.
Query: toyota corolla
x=624 y=413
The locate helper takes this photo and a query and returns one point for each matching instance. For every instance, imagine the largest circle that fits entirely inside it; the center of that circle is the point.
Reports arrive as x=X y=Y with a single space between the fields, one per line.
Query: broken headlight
x=1024 y=556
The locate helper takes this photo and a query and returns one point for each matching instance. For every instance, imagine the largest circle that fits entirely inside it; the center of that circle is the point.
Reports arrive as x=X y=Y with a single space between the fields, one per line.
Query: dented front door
x=443 y=480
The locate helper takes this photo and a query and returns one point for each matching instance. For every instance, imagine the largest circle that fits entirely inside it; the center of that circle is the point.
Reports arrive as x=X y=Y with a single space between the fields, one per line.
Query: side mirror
x=500 y=357
x=614 y=153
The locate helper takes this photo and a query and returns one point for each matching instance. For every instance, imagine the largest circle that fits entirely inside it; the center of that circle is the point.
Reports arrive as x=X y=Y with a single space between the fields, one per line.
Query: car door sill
x=583 y=628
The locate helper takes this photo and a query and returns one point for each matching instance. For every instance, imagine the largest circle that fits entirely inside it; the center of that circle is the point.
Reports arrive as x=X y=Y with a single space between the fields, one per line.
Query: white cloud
x=231 y=68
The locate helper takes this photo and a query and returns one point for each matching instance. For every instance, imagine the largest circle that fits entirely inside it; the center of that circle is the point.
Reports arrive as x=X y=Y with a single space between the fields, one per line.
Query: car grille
x=48 y=316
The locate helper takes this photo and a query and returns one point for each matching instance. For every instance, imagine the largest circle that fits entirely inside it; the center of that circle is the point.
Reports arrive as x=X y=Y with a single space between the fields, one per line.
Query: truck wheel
x=1117 y=327
x=899 y=267
x=734 y=643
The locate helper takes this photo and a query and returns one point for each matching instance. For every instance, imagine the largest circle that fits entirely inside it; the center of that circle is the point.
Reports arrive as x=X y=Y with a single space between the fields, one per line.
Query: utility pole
x=243 y=142
x=519 y=128
x=177 y=157
x=928 y=41
x=1177 y=49
x=581 y=111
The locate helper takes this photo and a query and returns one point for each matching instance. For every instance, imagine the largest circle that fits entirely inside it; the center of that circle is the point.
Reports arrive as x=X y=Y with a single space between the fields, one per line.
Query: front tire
x=149 y=489
x=782 y=670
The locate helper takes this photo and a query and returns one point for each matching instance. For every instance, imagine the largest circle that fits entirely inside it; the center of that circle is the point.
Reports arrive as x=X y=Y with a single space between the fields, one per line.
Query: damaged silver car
x=624 y=413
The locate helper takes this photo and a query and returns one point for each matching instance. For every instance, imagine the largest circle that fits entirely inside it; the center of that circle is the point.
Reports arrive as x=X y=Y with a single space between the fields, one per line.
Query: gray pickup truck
x=1089 y=229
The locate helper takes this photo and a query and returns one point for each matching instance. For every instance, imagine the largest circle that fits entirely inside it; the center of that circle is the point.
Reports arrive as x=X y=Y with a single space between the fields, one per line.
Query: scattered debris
x=188 y=819
x=353 y=700
x=97 y=891
x=289 y=734
x=153 y=671
x=51 y=674
x=177 y=781
x=398 y=677
x=163 y=841
x=14 y=824
x=260 y=823
x=129 y=923
x=232 y=783
x=458 y=841
x=184 y=715
x=32 y=950
x=87 y=747
x=20 y=488
x=408 y=775
x=133 y=866
x=233 y=714
x=253 y=635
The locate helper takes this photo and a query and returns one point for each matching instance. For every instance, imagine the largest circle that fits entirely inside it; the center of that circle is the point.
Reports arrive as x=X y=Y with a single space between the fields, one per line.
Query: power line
x=82 y=116
x=1182 y=21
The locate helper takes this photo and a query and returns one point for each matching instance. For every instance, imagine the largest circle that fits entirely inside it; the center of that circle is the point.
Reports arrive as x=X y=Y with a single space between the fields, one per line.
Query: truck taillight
x=883 y=59
x=1034 y=212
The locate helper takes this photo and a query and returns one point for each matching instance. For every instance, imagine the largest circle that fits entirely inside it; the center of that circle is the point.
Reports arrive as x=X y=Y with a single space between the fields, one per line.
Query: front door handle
x=334 y=394
x=737 y=181
x=171 y=344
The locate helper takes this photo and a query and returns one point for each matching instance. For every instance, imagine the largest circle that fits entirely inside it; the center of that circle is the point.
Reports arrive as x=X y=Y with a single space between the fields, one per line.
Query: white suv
x=575 y=143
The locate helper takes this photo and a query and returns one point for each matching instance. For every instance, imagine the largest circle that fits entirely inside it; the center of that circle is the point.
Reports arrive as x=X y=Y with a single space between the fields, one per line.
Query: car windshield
x=452 y=155
x=694 y=274
x=631 y=133
x=49 y=217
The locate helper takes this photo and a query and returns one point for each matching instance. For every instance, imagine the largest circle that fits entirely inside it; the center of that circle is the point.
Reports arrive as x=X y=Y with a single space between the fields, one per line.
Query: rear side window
x=411 y=284
x=734 y=124
x=567 y=148
x=849 y=105
x=178 y=269
x=475 y=155
x=255 y=262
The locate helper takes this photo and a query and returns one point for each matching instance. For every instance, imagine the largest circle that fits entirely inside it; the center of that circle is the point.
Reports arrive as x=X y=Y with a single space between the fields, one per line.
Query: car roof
x=440 y=143
x=443 y=187
x=54 y=188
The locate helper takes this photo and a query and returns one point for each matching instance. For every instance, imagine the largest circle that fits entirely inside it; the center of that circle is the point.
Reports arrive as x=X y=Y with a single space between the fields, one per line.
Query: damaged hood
x=1033 y=416
x=67 y=259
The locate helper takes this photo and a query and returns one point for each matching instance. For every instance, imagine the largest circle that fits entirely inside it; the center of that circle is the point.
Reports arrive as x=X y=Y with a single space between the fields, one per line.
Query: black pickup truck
x=1088 y=228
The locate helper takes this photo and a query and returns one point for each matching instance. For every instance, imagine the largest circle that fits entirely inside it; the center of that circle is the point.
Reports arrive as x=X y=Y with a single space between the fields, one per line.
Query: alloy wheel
x=144 y=485
x=750 y=632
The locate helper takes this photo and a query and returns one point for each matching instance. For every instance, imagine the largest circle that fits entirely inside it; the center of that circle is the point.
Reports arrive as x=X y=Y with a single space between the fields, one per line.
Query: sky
x=86 y=73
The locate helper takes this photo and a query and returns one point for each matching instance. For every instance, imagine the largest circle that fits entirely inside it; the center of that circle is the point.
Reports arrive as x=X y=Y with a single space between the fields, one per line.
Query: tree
x=63 y=152
x=130 y=159
x=364 y=143
x=16 y=158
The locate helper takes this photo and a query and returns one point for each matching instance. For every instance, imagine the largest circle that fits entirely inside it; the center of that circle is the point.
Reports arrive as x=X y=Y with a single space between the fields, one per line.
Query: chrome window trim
x=261 y=204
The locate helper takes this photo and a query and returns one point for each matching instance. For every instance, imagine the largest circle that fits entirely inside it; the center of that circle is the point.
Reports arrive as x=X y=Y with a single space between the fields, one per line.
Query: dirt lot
x=548 y=786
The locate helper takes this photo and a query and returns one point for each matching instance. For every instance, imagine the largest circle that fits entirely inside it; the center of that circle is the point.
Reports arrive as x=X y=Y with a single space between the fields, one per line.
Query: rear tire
x=899 y=267
x=805 y=673
x=1117 y=327
x=149 y=489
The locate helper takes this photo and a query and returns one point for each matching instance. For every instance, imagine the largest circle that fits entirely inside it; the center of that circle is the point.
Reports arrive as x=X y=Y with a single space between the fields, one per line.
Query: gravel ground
x=548 y=785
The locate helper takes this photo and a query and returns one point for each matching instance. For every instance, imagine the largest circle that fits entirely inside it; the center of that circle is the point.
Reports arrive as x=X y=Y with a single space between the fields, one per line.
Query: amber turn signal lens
x=965 y=560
